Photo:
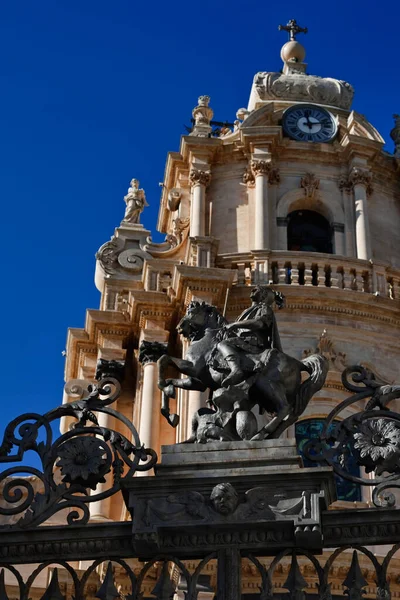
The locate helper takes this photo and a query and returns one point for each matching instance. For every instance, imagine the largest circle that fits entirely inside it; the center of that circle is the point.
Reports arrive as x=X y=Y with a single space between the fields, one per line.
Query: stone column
x=361 y=182
x=274 y=180
x=349 y=223
x=149 y=423
x=199 y=180
x=261 y=169
x=338 y=232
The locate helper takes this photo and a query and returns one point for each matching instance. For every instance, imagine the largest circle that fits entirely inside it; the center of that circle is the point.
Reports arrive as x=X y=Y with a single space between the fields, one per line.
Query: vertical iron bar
x=229 y=584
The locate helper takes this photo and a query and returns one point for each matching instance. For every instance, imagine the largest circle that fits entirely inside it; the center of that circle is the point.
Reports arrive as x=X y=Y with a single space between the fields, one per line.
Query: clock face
x=308 y=123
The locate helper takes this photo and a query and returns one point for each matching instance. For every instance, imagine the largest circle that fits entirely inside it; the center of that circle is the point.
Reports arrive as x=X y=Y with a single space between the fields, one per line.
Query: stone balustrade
x=316 y=269
x=298 y=268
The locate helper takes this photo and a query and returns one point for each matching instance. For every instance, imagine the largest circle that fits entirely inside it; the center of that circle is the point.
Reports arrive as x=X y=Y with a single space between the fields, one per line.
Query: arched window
x=309 y=231
x=310 y=429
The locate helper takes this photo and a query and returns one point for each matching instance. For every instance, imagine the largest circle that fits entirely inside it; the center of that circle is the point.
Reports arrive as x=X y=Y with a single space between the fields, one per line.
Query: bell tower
x=296 y=192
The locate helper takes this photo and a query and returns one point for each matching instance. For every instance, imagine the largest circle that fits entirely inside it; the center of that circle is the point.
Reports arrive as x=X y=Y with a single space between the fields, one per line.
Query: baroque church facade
x=297 y=193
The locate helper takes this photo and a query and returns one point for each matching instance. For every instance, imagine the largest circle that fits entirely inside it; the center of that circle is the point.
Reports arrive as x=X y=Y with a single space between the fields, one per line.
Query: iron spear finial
x=293 y=29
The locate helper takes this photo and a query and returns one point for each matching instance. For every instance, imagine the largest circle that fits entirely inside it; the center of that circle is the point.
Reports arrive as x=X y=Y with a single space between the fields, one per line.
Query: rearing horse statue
x=241 y=372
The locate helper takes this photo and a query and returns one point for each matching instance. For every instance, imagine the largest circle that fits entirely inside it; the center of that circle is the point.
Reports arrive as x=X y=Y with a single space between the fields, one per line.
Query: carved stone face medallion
x=309 y=123
x=224 y=499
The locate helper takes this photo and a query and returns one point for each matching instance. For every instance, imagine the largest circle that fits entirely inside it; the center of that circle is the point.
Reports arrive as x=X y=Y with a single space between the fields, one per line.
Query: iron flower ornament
x=378 y=438
x=83 y=460
x=85 y=454
x=370 y=436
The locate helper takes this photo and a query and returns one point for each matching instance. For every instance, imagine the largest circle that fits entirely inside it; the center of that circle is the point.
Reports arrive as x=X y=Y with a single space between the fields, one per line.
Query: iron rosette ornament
x=370 y=435
x=86 y=464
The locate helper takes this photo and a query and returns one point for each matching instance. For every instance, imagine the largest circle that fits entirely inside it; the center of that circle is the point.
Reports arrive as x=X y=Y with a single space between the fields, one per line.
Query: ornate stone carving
x=108 y=253
x=310 y=184
x=248 y=178
x=304 y=88
x=337 y=360
x=345 y=185
x=356 y=177
x=360 y=177
x=242 y=114
x=180 y=230
x=224 y=498
x=260 y=167
x=395 y=135
x=202 y=115
x=199 y=177
x=179 y=227
x=224 y=504
x=150 y=352
x=174 y=199
x=274 y=176
x=135 y=201
x=110 y=368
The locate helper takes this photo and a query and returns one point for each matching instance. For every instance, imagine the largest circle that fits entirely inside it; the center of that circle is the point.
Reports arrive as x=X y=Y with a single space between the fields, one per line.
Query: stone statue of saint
x=254 y=331
x=135 y=203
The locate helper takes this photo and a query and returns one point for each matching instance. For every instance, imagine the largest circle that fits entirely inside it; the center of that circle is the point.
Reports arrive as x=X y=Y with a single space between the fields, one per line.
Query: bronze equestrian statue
x=243 y=365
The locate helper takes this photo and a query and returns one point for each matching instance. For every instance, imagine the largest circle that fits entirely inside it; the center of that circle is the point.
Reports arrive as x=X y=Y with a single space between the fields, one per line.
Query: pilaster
x=261 y=169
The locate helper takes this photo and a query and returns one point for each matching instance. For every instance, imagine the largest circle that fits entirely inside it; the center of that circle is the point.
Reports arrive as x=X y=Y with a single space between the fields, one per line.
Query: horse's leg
x=277 y=396
x=184 y=366
x=167 y=386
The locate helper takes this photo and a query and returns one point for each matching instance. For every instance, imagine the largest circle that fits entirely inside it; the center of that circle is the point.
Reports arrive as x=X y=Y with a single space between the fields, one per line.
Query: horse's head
x=199 y=317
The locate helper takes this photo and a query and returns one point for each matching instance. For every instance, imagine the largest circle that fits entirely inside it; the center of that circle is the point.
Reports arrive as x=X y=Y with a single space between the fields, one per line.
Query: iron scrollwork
x=85 y=464
x=370 y=435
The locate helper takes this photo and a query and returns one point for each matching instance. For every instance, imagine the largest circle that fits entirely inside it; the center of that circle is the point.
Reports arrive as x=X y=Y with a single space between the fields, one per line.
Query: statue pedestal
x=255 y=495
x=227 y=459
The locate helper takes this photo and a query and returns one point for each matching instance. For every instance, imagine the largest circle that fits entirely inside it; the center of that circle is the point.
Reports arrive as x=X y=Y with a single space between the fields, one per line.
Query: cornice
x=211 y=281
x=150 y=305
x=199 y=146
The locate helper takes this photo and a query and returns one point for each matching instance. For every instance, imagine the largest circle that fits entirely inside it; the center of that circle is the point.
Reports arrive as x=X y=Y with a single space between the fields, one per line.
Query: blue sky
x=95 y=93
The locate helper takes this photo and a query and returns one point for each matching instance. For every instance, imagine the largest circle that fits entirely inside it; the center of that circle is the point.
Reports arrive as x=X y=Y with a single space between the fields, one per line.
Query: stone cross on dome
x=293 y=29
